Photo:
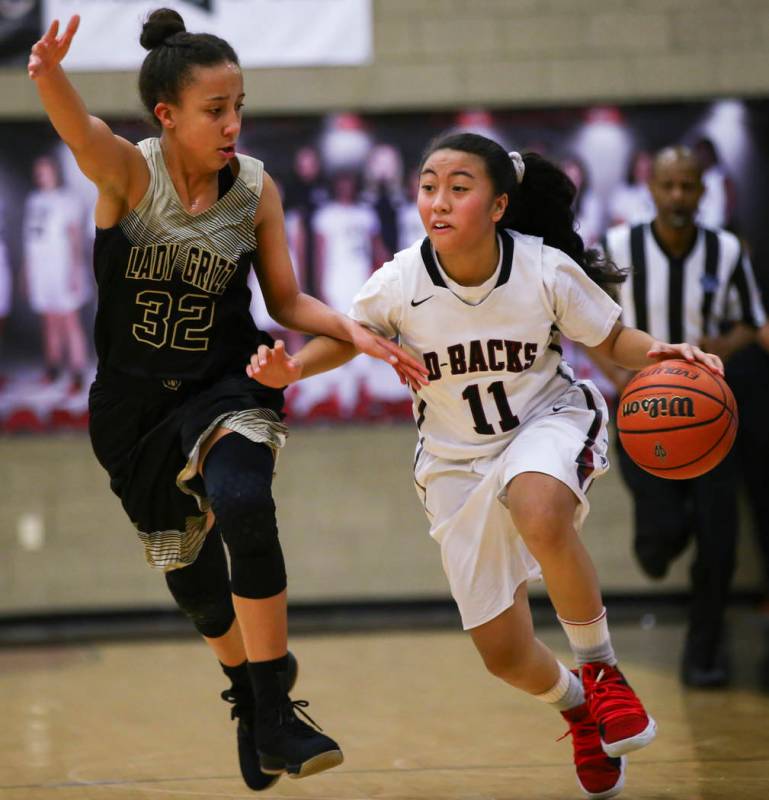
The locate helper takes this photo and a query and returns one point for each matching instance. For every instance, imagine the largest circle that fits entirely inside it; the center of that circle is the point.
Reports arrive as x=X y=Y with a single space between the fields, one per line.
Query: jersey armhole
x=150 y=149
x=251 y=172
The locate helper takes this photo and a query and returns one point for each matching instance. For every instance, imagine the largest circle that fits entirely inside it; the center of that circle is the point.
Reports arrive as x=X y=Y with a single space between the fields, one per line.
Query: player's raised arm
x=104 y=158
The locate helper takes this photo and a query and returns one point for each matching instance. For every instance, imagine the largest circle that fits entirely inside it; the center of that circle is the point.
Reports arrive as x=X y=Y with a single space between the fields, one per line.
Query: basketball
x=677 y=419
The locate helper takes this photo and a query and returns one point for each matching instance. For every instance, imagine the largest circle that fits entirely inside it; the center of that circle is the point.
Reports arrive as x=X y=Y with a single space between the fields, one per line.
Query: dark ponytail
x=173 y=52
x=542 y=204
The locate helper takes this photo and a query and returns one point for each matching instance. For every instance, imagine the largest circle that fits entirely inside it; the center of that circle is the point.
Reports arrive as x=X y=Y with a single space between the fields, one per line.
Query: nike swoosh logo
x=416 y=303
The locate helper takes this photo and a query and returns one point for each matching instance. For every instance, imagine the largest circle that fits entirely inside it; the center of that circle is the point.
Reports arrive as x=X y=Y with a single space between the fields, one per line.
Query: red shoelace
x=597 y=771
x=612 y=701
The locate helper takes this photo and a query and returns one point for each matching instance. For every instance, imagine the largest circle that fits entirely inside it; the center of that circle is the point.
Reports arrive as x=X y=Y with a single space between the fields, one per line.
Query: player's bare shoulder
x=121 y=188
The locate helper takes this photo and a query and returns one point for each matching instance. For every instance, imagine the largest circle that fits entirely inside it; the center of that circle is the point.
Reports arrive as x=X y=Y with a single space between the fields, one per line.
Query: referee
x=693 y=284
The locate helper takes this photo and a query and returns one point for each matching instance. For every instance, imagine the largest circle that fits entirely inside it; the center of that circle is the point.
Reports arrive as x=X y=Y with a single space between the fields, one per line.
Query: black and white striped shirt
x=683 y=299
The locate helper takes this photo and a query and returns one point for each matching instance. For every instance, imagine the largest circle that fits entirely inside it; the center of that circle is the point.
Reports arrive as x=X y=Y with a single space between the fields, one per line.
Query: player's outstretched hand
x=49 y=51
x=409 y=370
x=689 y=352
x=273 y=366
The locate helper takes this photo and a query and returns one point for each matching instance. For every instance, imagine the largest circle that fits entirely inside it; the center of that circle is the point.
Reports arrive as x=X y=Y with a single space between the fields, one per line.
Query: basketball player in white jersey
x=347 y=246
x=509 y=442
x=631 y=202
x=54 y=266
x=717 y=205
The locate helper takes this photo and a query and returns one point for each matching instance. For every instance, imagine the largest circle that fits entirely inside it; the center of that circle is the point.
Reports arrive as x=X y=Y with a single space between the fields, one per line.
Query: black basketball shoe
x=242 y=699
x=284 y=742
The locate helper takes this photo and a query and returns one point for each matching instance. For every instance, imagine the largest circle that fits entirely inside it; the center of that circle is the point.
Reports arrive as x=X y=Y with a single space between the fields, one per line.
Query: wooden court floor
x=416 y=715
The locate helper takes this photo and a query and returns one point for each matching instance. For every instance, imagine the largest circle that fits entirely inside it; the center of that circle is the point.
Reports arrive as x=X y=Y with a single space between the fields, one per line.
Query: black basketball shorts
x=147 y=435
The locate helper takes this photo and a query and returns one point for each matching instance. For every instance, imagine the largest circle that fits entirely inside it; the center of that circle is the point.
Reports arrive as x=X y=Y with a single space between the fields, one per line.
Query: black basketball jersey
x=173 y=297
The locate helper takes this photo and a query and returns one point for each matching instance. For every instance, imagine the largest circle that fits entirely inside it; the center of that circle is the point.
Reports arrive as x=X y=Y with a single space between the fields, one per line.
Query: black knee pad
x=238 y=478
x=202 y=589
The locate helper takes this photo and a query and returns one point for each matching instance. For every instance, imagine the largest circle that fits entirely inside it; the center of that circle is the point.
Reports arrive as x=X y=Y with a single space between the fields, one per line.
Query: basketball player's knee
x=238 y=478
x=543 y=528
x=209 y=608
x=245 y=513
x=498 y=663
x=507 y=663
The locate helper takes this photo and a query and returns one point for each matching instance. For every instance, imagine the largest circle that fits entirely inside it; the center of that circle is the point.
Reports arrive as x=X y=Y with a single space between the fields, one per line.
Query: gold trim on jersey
x=170 y=238
x=171 y=549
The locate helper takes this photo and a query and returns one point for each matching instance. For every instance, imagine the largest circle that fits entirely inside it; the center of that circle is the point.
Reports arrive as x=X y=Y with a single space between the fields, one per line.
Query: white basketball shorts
x=56 y=288
x=484 y=557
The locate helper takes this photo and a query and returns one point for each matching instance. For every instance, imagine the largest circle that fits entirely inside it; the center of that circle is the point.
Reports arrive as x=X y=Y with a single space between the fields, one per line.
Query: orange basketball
x=676 y=419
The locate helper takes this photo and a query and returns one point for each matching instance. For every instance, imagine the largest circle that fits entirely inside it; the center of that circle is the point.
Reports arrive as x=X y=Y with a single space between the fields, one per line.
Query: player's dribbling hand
x=49 y=51
x=660 y=351
x=273 y=366
x=410 y=372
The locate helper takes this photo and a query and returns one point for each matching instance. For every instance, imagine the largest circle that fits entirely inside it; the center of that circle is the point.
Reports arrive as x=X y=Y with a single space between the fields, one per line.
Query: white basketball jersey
x=48 y=217
x=347 y=232
x=493 y=365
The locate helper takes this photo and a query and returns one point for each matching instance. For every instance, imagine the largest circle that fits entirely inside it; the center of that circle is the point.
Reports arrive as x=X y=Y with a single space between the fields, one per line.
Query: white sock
x=566 y=693
x=590 y=641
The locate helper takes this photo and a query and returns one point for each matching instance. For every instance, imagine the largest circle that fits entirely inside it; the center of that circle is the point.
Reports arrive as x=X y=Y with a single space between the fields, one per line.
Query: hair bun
x=160 y=25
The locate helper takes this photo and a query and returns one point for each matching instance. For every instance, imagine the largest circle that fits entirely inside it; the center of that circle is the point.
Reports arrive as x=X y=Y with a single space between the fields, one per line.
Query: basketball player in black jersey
x=187 y=438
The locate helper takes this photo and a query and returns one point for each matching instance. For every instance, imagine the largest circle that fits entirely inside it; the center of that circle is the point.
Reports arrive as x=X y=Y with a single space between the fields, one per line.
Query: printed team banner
x=349 y=184
x=264 y=33
x=20 y=26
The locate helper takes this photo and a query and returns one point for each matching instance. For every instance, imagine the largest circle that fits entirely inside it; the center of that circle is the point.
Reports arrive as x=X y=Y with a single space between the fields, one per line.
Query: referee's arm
x=751 y=324
x=727 y=344
x=763 y=337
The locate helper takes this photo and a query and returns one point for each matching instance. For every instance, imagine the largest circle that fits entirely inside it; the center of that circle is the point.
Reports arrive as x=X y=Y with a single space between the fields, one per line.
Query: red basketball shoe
x=598 y=775
x=623 y=723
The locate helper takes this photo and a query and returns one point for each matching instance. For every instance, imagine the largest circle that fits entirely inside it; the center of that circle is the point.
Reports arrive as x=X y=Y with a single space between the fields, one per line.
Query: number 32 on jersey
x=179 y=322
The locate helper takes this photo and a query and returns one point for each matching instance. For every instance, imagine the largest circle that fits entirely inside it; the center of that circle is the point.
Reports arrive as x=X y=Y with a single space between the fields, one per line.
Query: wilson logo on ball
x=677 y=419
x=660 y=407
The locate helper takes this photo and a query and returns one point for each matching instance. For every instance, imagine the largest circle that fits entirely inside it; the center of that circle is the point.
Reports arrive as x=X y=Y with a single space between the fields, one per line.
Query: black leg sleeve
x=202 y=589
x=238 y=478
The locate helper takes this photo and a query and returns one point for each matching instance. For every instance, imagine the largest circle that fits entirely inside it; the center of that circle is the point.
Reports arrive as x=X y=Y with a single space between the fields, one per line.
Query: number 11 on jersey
x=507 y=420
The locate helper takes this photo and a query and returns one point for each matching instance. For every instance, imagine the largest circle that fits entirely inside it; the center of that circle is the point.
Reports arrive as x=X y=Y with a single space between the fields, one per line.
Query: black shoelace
x=288 y=715
x=242 y=708
x=241 y=704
